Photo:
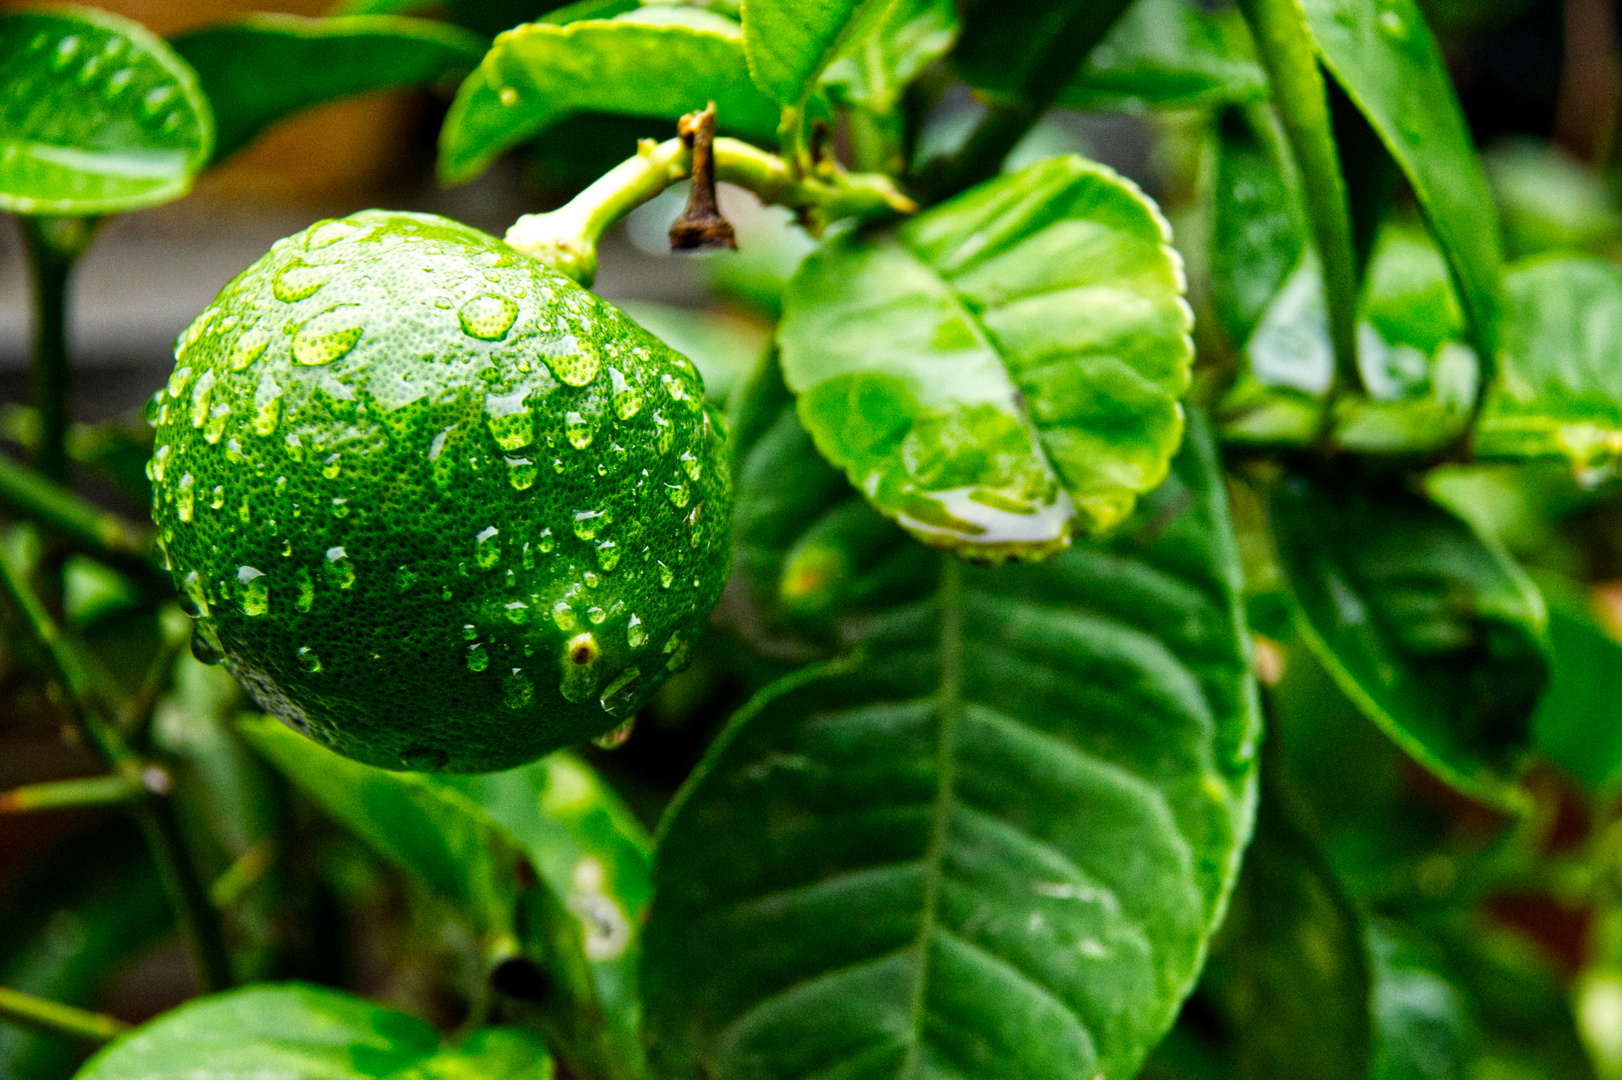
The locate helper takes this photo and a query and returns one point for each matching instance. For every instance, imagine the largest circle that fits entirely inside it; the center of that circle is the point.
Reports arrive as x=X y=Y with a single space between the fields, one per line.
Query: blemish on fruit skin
x=400 y=426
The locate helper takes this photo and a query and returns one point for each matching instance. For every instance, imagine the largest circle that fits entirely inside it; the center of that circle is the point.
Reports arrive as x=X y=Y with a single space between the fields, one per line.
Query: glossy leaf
x=1386 y=58
x=990 y=842
x=537 y=74
x=1423 y=1029
x=1028 y=49
x=1001 y=364
x=791 y=42
x=1561 y=387
x=1419 y=375
x=295 y=1030
x=874 y=67
x=100 y=115
x=1301 y=98
x=1169 y=54
x=1579 y=723
x=1295 y=978
x=1436 y=635
x=259 y=69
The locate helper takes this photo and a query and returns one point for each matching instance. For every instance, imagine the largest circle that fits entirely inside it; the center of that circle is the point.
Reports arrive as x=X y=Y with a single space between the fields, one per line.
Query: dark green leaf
x=1001 y=364
x=538 y=74
x=100 y=115
x=1436 y=634
x=1301 y=98
x=1561 y=388
x=294 y=1030
x=1295 y=978
x=259 y=69
x=1579 y=724
x=1030 y=48
x=872 y=69
x=992 y=842
x=487 y=17
x=1389 y=64
x=791 y=42
x=1169 y=54
x=1423 y=1029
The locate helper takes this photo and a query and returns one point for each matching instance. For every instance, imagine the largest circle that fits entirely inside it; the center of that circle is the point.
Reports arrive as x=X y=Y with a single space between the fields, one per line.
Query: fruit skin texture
x=435 y=505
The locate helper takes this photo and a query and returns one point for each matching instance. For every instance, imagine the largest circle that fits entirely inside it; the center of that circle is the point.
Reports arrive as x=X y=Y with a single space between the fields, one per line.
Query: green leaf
x=1001 y=364
x=1560 y=393
x=1579 y=724
x=1015 y=49
x=874 y=68
x=790 y=42
x=1302 y=100
x=1386 y=58
x=1437 y=635
x=990 y=842
x=1169 y=54
x=1294 y=975
x=1423 y=1029
x=295 y=1030
x=536 y=75
x=101 y=115
x=1549 y=201
x=259 y=69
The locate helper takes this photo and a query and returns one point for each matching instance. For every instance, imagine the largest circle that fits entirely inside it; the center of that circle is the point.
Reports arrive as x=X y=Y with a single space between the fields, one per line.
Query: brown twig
x=701 y=226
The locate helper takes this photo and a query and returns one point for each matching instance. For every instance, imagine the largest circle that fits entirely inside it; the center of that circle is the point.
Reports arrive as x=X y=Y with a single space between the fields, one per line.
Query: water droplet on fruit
x=186 y=497
x=254 y=595
x=204 y=647
x=423 y=759
x=572 y=361
x=340 y=507
x=199 y=398
x=216 y=498
x=509 y=418
x=563 y=616
x=522 y=472
x=215 y=428
x=690 y=465
x=635 y=633
x=578 y=429
x=626 y=396
x=307 y=659
x=328 y=336
x=340 y=570
x=678 y=493
x=487 y=316
x=486 y=550
x=608 y=555
x=545 y=542
x=665 y=434
x=508 y=96
x=517 y=690
x=666 y=575
x=329 y=467
x=517 y=612
x=179 y=379
x=620 y=695
x=249 y=347
x=267 y=406
x=193 y=597
x=579 y=664
x=66 y=50
x=477 y=658
x=587 y=523
x=306 y=591
x=298 y=280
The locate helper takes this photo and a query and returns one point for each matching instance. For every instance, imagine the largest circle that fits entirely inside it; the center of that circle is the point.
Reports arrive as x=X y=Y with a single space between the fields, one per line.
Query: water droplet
x=517 y=612
x=423 y=759
x=1392 y=26
x=510 y=422
x=254 y=596
x=179 y=379
x=329 y=468
x=205 y=647
x=508 y=96
x=522 y=472
x=249 y=347
x=404 y=579
x=477 y=658
x=597 y=615
x=665 y=436
x=578 y=429
x=486 y=551
x=517 y=690
x=215 y=428
x=572 y=361
x=297 y=280
x=193 y=597
x=587 y=523
x=154 y=100
x=287 y=549
x=328 y=336
x=626 y=395
x=621 y=693
x=159 y=457
x=340 y=507
x=153 y=409
x=579 y=664
x=307 y=659
x=563 y=616
x=267 y=406
x=487 y=316
x=635 y=633
x=666 y=575
x=690 y=465
x=186 y=498
x=589 y=579
x=545 y=542
x=678 y=493
x=216 y=498
x=340 y=570
x=66 y=49
x=306 y=591
x=470 y=632
x=608 y=555
x=199 y=398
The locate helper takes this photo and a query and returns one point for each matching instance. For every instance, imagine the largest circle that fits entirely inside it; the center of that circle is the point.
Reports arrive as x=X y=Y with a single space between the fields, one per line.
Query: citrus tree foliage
x=1047 y=618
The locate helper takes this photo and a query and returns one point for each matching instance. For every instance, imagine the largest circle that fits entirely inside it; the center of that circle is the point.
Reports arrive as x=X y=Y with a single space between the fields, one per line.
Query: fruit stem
x=198 y=921
x=566 y=238
x=701 y=227
x=69 y=794
x=55 y=1016
x=54 y=246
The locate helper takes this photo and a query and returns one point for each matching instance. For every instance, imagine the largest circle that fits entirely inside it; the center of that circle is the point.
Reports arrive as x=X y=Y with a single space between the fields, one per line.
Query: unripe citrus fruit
x=435 y=505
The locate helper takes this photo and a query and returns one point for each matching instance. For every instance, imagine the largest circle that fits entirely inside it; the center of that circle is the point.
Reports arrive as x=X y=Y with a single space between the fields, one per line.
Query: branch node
x=701 y=227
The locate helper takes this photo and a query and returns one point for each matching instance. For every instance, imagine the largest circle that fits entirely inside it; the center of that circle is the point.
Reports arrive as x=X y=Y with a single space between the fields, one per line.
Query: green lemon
x=435 y=505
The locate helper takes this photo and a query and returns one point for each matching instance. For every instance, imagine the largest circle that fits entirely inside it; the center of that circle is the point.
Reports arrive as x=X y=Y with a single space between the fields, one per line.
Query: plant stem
x=69 y=794
x=60 y=1018
x=198 y=921
x=54 y=246
x=566 y=239
x=29 y=493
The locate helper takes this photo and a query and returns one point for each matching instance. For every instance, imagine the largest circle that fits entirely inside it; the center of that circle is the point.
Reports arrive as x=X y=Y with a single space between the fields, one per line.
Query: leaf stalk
x=63 y=1019
x=54 y=245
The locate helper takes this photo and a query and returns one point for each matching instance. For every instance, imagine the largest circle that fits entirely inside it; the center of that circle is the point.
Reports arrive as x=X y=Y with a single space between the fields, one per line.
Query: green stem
x=60 y=1018
x=199 y=922
x=33 y=496
x=69 y=794
x=566 y=238
x=54 y=246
